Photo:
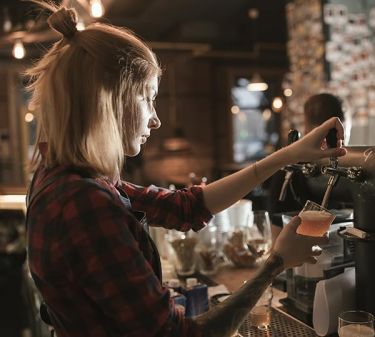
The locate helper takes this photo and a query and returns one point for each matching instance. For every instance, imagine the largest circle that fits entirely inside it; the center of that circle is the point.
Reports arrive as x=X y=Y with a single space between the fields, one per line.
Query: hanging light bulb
x=277 y=104
x=257 y=84
x=29 y=117
x=288 y=92
x=97 y=9
x=7 y=23
x=18 y=50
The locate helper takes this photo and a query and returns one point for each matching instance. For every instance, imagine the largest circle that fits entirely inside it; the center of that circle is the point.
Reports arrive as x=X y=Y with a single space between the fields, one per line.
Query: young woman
x=88 y=247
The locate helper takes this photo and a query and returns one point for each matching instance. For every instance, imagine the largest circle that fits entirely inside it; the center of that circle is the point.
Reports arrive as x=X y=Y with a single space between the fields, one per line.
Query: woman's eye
x=150 y=100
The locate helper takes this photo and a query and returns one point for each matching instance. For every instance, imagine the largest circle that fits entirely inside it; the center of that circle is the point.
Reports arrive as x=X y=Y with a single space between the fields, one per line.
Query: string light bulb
x=288 y=92
x=277 y=104
x=29 y=117
x=96 y=8
x=18 y=50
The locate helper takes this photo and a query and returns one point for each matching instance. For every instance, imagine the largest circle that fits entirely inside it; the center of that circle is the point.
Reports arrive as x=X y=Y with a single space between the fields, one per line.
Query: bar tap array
x=355 y=172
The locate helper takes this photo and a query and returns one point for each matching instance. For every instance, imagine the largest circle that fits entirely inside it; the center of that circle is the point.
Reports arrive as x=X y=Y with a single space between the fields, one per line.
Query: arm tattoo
x=225 y=318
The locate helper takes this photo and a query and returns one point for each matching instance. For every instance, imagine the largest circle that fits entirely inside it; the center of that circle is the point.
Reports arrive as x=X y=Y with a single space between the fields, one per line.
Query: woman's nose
x=154 y=122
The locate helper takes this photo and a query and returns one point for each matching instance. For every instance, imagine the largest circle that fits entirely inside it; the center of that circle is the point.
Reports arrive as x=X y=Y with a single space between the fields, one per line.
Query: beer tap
x=332 y=171
x=335 y=172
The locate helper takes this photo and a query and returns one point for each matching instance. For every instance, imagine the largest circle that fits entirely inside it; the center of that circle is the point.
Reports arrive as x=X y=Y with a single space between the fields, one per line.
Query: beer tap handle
x=331 y=139
x=293 y=136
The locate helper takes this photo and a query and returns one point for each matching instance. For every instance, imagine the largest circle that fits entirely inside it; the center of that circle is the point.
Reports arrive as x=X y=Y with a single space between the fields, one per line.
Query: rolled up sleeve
x=182 y=209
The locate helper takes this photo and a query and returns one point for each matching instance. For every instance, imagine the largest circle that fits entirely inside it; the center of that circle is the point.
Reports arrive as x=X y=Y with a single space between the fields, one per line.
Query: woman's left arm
x=226 y=191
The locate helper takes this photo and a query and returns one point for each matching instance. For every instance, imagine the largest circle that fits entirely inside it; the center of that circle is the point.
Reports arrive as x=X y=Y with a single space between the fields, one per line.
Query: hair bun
x=64 y=21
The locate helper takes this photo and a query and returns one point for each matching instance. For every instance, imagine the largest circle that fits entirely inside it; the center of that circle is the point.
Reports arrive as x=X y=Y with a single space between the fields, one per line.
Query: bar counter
x=282 y=323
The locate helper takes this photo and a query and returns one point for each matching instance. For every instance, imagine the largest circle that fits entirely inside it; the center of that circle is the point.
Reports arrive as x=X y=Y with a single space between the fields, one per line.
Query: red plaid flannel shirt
x=88 y=257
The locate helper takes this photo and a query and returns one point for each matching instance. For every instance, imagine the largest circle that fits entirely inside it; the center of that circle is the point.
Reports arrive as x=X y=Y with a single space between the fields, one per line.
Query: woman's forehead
x=153 y=83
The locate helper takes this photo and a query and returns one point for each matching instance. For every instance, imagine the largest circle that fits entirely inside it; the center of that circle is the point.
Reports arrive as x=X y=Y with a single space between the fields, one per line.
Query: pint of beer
x=315 y=219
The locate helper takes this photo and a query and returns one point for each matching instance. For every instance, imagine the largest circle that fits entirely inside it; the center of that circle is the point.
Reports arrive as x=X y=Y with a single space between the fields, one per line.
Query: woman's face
x=147 y=117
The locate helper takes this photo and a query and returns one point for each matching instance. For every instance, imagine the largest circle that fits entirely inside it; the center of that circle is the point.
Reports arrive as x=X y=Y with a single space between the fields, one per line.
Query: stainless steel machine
x=352 y=179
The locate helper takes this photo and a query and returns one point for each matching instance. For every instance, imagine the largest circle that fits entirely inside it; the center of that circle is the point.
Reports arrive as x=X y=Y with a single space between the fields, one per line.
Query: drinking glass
x=356 y=323
x=207 y=249
x=258 y=235
x=315 y=219
x=182 y=251
x=260 y=315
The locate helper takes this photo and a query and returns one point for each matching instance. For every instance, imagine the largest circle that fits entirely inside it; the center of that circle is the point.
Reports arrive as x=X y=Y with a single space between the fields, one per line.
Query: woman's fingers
x=319 y=240
x=336 y=152
x=293 y=224
x=334 y=122
x=316 y=250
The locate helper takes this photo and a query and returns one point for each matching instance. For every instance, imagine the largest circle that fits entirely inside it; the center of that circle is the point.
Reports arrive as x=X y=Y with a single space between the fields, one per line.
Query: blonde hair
x=85 y=89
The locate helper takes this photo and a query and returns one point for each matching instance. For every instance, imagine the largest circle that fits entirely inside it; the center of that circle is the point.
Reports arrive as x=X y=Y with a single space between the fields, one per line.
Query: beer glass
x=260 y=315
x=315 y=219
x=356 y=324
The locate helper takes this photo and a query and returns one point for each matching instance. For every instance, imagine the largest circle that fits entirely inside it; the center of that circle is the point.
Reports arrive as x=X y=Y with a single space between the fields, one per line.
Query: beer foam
x=356 y=330
x=312 y=215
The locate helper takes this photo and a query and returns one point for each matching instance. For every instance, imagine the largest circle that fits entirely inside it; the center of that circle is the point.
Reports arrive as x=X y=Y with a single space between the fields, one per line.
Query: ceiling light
x=277 y=104
x=253 y=13
x=288 y=92
x=257 y=84
x=29 y=117
x=96 y=8
x=18 y=50
x=7 y=23
x=235 y=109
x=267 y=114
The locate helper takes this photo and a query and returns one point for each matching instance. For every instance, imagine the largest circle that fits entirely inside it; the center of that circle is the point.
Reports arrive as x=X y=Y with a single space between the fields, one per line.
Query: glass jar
x=208 y=249
x=249 y=244
x=259 y=235
x=181 y=251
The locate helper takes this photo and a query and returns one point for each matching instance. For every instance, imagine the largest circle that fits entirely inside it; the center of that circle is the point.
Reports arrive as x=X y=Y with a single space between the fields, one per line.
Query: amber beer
x=315 y=219
x=260 y=316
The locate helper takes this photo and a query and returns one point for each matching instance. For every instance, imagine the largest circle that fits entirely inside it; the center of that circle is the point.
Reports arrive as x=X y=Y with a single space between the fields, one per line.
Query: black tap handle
x=332 y=138
x=293 y=136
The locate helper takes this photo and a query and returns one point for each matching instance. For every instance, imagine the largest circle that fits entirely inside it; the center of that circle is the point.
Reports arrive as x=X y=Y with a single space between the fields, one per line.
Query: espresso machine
x=350 y=179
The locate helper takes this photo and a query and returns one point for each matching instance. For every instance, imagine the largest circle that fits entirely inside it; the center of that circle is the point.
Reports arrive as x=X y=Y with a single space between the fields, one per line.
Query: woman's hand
x=296 y=249
x=309 y=147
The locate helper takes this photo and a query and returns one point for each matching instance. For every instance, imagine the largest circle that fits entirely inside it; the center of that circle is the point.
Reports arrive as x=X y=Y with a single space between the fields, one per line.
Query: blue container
x=196 y=298
x=179 y=300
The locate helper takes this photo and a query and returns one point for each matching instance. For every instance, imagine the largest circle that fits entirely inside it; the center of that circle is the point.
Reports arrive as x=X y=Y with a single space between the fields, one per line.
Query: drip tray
x=281 y=325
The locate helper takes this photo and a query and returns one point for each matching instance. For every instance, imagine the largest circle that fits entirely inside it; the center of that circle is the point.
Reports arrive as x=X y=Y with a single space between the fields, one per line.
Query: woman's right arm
x=222 y=193
x=225 y=318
